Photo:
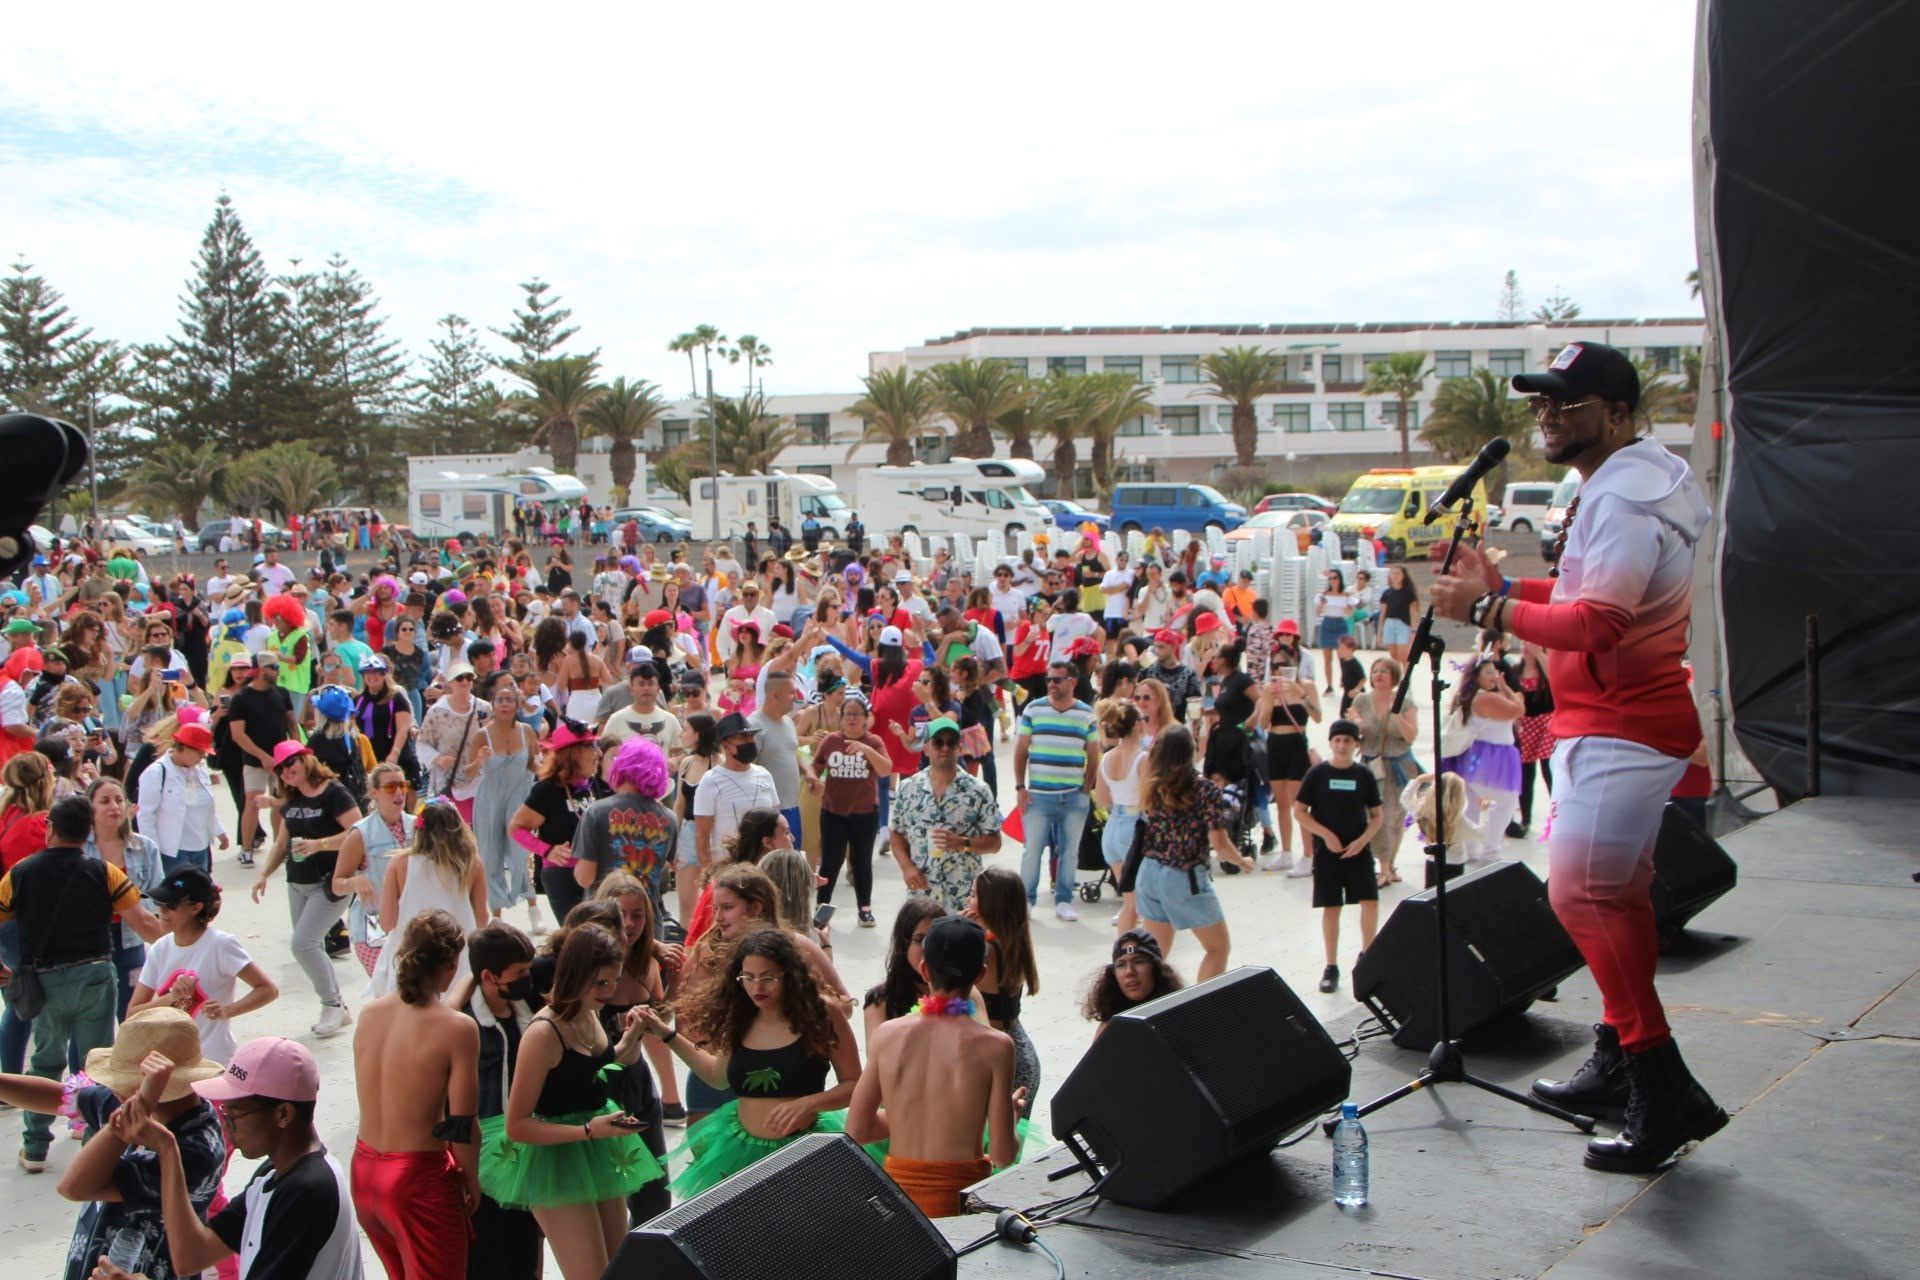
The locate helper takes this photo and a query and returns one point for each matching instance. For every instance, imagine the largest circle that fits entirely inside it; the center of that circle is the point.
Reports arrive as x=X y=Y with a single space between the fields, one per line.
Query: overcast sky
x=841 y=178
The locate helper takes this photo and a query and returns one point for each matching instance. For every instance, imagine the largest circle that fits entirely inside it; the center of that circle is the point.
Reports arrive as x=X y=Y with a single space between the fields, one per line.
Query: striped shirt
x=1057 y=754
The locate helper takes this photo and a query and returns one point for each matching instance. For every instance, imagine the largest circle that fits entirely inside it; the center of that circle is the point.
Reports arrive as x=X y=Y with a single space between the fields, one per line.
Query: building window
x=1332 y=367
x=673 y=432
x=1452 y=364
x=473 y=506
x=934 y=449
x=1367 y=363
x=1387 y=414
x=1223 y=418
x=1664 y=359
x=1016 y=364
x=813 y=427
x=1133 y=473
x=1302 y=368
x=1122 y=364
x=1348 y=415
x=1181 y=420
x=1066 y=364
x=1293 y=417
x=816 y=469
x=1180 y=368
x=1506 y=363
x=1134 y=426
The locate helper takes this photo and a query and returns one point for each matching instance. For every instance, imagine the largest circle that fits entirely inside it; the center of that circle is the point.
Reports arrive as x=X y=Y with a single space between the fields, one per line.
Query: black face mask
x=747 y=752
x=521 y=988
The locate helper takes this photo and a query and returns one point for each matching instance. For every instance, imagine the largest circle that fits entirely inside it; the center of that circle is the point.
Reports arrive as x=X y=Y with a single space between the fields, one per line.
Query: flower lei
x=944 y=1007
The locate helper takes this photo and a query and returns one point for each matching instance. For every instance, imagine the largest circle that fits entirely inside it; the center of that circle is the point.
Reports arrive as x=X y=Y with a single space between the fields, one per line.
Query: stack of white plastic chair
x=1111 y=543
x=911 y=541
x=1136 y=544
x=994 y=545
x=1022 y=541
x=1180 y=540
x=936 y=543
x=1216 y=541
x=984 y=563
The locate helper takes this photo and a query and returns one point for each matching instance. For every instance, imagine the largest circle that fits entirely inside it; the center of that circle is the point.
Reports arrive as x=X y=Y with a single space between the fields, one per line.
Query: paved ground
x=1270 y=916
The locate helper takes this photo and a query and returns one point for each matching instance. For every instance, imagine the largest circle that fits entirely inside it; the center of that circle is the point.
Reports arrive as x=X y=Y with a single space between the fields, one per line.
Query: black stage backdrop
x=1814 y=127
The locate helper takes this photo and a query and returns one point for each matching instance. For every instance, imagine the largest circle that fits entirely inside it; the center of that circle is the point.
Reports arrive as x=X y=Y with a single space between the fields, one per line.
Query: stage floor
x=1796 y=999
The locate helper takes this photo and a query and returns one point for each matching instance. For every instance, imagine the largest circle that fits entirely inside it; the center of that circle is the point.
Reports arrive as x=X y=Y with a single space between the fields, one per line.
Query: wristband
x=673 y=1033
x=1506 y=587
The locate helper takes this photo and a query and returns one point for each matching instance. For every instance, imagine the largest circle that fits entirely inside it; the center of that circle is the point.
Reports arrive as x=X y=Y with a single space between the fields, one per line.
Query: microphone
x=1490 y=457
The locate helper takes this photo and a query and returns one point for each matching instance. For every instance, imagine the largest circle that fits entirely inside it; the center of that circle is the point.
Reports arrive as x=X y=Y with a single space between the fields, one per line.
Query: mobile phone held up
x=822 y=914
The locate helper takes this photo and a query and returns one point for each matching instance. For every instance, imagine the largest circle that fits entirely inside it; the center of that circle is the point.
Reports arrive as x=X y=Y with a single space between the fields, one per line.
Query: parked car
x=1299 y=521
x=271 y=535
x=126 y=533
x=1192 y=507
x=1524 y=506
x=1296 y=502
x=1071 y=515
x=655 y=525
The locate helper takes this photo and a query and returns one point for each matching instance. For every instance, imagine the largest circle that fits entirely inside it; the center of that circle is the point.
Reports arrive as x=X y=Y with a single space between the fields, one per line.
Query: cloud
x=855 y=177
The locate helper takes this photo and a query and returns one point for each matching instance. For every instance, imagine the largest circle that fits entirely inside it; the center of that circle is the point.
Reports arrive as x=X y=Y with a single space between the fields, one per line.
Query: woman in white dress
x=362 y=868
x=441 y=871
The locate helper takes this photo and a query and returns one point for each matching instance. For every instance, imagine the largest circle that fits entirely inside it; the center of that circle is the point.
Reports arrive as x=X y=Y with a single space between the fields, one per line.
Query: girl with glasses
x=362 y=866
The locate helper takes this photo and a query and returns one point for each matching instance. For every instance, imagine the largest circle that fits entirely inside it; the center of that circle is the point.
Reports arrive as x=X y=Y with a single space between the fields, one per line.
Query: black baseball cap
x=955 y=948
x=187 y=884
x=1137 y=942
x=732 y=725
x=1585 y=369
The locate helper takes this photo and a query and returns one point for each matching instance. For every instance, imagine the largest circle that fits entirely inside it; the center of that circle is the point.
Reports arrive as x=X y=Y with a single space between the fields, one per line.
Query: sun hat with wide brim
x=569 y=733
x=157 y=1029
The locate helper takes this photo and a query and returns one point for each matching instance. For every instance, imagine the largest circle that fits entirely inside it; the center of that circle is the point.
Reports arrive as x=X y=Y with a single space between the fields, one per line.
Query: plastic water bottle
x=127 y=1249
x=1349 y=1158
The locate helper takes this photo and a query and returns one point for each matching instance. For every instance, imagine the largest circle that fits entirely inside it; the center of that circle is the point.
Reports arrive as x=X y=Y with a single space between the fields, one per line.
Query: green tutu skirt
x=520 y=1176
x=718 y=1147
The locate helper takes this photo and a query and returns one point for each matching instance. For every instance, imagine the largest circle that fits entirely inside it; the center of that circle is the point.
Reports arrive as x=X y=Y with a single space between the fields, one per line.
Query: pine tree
x=1558 y=307
x=224 y=377
x=1511 y=307
x=41 y=345
x=453 y=394
x=539 y=328
x=345 y=392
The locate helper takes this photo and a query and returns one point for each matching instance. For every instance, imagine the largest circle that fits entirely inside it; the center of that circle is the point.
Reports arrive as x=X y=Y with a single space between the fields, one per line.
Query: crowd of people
x=581 y=816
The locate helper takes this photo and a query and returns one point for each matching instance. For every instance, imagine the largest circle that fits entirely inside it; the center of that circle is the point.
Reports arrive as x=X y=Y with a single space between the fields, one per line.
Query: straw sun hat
x=156 y=1030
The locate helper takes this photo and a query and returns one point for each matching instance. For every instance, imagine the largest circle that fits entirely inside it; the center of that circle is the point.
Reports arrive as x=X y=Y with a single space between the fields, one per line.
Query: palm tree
x=1470 y=411
x=702 y=338
x=623 y=412
x=977 y=395
x=1066 y=407
x=756 y=353
x=180 y=480
x=1121 y=400
x=687 y=343
x=1400 y=375
x=290 y=479
x=675 y=469
x=560 y=389
x=1017 y=424
x=1243 y=375
x=1660 y=399
x=751 y=439
x=899 y=405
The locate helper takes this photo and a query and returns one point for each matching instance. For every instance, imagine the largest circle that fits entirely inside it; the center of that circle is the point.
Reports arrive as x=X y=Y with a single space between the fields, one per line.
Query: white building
x=1321 y=422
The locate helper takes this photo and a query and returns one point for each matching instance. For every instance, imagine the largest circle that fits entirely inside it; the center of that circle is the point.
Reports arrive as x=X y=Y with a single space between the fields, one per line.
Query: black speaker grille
x=817 y=1209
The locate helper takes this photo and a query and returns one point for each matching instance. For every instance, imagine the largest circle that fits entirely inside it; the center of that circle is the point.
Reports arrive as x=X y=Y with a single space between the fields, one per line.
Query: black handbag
x=1136 y=851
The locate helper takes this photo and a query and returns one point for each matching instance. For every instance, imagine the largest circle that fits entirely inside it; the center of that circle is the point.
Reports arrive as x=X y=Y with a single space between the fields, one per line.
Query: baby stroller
x=1093 y=860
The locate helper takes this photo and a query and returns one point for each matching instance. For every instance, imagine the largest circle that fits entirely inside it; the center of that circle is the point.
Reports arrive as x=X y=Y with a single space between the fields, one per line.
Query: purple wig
x=641 y=764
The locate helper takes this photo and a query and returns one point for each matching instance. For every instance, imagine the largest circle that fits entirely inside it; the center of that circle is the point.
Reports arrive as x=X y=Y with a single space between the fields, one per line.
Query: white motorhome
x=963 y=495
x=449 y=504
x=763 y=499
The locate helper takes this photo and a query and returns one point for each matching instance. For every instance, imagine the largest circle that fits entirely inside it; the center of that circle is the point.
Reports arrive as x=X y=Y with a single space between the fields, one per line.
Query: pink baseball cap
x=270 y=1067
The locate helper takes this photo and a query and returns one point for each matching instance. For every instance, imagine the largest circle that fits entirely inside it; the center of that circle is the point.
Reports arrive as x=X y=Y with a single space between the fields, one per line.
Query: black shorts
x=1339 y=882
x=1114 y=626
x=1286 y=757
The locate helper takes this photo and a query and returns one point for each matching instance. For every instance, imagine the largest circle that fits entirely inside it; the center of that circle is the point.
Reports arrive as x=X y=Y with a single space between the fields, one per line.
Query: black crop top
x=1002 y=1006
x=791 y=1071
x=574 y=1084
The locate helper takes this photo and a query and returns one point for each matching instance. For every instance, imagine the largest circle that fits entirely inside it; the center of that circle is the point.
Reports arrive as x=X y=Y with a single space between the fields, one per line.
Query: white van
x=963 y=495
x=759 y=500
x=1525 y=504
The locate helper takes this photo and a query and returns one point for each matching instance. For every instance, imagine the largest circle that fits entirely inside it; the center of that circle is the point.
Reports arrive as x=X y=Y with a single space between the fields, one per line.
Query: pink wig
x=641 y=764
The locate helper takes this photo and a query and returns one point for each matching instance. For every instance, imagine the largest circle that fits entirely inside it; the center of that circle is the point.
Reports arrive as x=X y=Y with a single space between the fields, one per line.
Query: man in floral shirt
x=943 y=820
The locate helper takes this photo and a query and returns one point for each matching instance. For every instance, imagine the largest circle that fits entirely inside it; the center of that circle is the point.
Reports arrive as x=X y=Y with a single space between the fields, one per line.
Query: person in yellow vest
x=292 y=643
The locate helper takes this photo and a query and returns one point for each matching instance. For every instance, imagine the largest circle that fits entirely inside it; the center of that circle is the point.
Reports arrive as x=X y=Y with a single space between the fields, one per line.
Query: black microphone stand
x=1446 y=1064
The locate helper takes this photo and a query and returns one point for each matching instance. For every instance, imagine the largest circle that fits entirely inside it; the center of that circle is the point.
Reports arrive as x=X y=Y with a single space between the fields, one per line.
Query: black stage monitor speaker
x=1180 y=1086
x=1504 y=948
x=816 y=1209
x=1690 y=870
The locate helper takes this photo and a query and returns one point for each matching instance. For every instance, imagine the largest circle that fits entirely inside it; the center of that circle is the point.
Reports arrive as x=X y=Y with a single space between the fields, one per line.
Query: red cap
x=1287 y=627
x=1166 y=636
x=1208 y=621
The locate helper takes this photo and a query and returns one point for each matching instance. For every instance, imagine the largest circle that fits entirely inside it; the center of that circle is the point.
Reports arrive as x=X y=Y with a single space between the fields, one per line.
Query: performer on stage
x=936 y=1080
x=1614 y=623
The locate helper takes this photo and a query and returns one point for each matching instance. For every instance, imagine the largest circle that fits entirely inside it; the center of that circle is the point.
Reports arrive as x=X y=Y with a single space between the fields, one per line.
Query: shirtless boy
x=936 y=1079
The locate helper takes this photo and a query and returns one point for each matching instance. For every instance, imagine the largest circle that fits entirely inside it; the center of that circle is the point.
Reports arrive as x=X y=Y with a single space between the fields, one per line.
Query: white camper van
x=964 y=495
x=448 y=504
x=761 y=499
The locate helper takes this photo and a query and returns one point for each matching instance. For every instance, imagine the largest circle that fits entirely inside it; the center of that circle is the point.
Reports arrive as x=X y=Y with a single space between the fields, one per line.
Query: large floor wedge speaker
x=816 y=1209
x=1690 y=871
x=1180 y=1086
x=1504 y=948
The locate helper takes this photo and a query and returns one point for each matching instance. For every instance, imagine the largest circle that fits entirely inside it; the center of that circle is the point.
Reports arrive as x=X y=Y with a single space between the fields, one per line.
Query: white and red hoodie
x=1615 y=621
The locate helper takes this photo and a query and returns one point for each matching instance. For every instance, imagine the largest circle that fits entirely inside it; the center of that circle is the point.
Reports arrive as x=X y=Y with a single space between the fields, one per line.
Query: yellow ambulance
x=1390 y=503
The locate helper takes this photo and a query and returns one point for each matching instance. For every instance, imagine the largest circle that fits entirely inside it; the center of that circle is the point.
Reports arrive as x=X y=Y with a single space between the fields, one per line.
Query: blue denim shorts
x=1117 y=836
x=1166 y=896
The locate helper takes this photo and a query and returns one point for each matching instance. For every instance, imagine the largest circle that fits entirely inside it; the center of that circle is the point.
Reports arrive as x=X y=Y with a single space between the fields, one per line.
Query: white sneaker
x=334 y=1018
x=536 y=926
x=1277 y=861
x=1302 y=867
x=1065 y=911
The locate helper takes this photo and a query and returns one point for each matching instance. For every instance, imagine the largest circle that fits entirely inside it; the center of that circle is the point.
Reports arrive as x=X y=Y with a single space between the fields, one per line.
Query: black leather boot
x=1666 y=1110
x=1600 y=1082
